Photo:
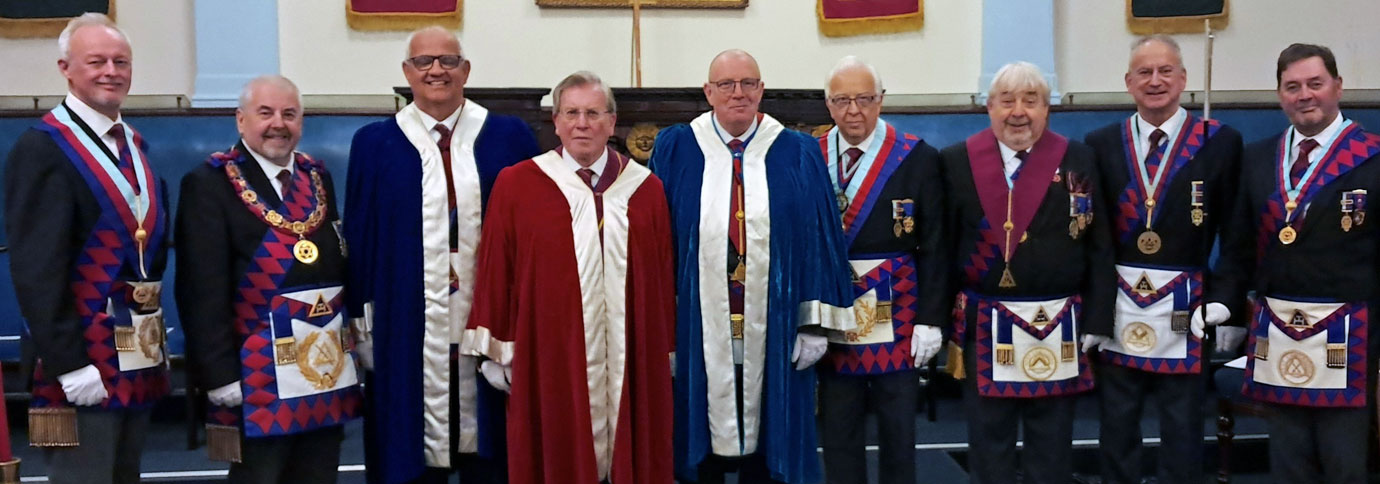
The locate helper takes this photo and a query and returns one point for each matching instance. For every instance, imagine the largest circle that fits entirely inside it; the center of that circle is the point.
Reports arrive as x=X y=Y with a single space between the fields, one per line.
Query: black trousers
x=1322 y=445
x=843 y=401
x=307 y=458
x=1046 y=424
x=1123 y=394
x=751 y=469
x=111 y=445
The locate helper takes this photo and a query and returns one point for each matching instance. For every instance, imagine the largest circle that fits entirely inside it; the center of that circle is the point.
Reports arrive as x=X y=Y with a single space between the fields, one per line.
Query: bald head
x=733 y=59
x=430 y=36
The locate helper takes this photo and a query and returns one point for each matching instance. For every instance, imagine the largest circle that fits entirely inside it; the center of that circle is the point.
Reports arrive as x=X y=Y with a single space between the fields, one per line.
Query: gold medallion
x=1138 y=337
x=1346 y=222
x=1039 y=363
x=1197 y=215
x=908 y=223
x=1287 y=235
x=299 y=228
x=842 y=199
x=1295 y=367
x=249 y=196
x=1148 y=242
x=896 y=229
x=305 y=251
x=273 y=217
x=142 y=294
x=150 y=340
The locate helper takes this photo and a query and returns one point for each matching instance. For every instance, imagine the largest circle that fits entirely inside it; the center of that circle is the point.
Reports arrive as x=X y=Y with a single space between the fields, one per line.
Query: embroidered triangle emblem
x=320 y=308
x=856 y=277
x=1041 y=317
x=1299 y=320
x=1006 y=279
x=1143 y=285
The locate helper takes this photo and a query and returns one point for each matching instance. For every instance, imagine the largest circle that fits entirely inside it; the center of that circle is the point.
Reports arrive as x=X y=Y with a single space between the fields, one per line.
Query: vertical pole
x=637 y=42
x=1207 y=71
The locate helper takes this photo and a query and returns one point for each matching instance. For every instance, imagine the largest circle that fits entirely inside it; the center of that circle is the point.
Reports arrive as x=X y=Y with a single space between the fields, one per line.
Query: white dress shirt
x=99 y=123
x=597 y=166
x=270 y=169
x=723 y=133
x=449 y=123
x=1170 y=127
x=1009 y=160
x=1324 y=139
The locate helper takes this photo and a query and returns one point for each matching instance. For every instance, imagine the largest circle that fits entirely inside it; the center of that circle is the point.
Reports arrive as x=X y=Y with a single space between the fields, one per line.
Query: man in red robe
x=574 y=304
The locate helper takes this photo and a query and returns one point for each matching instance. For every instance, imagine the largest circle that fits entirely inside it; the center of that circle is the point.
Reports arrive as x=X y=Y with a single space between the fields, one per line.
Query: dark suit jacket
x=217 y=236
x=1049 y=262
x=1216 y=164
x=49 y=214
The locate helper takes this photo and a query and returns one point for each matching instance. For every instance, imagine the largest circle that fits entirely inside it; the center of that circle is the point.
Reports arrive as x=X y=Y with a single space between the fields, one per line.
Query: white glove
x=83 y=386
x=227 y=396
x=364 y=351
x=925 y=343
x=1092 y=341
x=1229 y=338
x=498 y=375
x=1217 y=313
x=809 y=348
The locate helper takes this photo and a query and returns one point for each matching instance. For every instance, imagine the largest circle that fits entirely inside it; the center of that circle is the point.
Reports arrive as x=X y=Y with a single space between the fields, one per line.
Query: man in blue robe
x=414 y=201
x=761 y=277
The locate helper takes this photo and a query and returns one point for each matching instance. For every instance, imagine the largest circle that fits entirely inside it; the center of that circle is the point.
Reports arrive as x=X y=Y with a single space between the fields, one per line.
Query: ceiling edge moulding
x=386 y=15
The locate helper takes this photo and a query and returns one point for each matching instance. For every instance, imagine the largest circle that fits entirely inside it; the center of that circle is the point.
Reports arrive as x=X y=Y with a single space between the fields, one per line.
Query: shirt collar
x=98 y=122
x=1322 y=137
x=597 y=166
x=1007 y=154
x=270 y=168
x=449 y=122
x=844 y=145
x=723 y=135
x=1170 y=126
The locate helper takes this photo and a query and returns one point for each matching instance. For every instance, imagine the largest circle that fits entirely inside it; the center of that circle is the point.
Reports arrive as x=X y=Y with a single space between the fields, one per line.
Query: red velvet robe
x=577 y=340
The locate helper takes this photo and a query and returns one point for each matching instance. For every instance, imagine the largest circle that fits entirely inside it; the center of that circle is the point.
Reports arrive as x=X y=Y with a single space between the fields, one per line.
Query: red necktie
x=735 y=223
x=587 y=175
x=285 y=184
x=444 y=145
x=852 y=155
x=1301 y=162
x=126 y=161
x=1152 y=162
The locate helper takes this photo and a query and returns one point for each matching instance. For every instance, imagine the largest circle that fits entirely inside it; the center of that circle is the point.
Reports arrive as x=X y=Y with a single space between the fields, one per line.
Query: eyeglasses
x=589 y=114
x=726 y=86
x=864 y=101
x=423 y=62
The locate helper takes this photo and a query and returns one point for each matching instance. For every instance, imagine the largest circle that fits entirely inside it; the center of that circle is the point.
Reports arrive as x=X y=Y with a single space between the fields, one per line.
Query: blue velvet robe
x=383 y=231
x=809 y=262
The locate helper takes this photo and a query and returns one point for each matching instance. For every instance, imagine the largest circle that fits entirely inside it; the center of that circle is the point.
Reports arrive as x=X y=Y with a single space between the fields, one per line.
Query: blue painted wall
x=178 y=143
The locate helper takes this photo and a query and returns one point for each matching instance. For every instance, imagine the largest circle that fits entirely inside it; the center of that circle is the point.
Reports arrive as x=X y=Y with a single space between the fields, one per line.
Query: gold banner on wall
x=403 y=15
x=1144 y=17
x=27 y=20
x=841 y=18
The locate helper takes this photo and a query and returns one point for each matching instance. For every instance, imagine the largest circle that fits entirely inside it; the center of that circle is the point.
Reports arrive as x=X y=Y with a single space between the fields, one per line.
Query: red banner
x=838 y=18
x=402 y=14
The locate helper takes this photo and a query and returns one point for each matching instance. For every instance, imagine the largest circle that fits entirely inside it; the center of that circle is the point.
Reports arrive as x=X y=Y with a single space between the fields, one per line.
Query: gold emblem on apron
x=1138 y=337
x=1295 y=367
x=327 y=353
x=1039 y=363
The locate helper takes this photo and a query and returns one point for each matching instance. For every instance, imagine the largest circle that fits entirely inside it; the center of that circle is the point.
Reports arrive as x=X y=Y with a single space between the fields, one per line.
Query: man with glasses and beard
x=762 y=276
x=413 y=206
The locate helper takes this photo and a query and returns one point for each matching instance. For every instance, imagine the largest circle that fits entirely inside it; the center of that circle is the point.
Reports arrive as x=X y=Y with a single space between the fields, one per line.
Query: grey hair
x=581 y=79
x=407 y=47
x=1163 y=39
x=850 y=62
x=1019 y=76
x=273 y=79
x=85 y=20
